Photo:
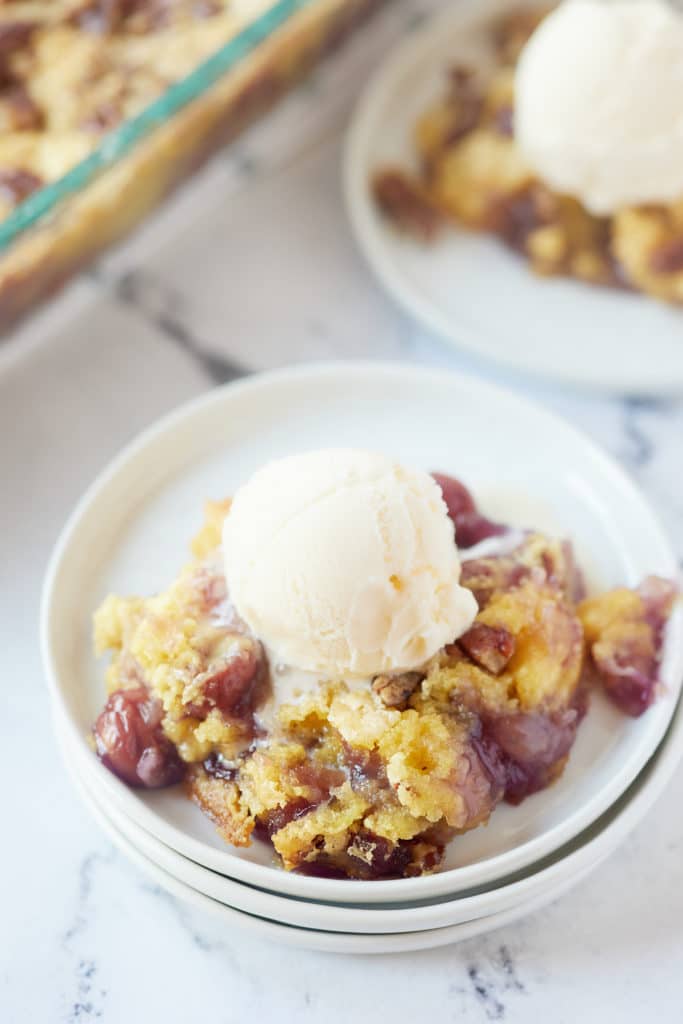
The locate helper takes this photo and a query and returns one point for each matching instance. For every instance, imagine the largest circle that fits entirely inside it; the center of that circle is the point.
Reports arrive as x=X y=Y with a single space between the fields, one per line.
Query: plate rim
x=263 y=876
x=460 y=335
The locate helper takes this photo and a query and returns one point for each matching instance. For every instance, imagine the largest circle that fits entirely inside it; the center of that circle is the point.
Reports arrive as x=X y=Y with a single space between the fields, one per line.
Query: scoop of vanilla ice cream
x=344 y=563
x=599 y=102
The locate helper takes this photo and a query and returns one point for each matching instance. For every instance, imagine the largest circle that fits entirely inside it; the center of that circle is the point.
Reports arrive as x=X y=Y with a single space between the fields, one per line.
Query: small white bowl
x=129 y=534
x=467 y=287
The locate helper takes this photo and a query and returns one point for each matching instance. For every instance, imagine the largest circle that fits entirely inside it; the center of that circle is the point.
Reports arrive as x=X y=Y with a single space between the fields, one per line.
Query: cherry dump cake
x=73 y=71
x=476 y=167
x=365 y=773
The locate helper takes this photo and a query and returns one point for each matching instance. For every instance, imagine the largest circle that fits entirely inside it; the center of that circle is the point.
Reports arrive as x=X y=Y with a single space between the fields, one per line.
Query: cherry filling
x=523 y=752
x=219 y=768
x=365 y=768
x=131 y=743
x=378 y=857
x=471 y=526
x=629 y=667
x=556 y=567
x=628 y=673
x=369 y=857
x=317 y=780
x=270 y=822
x=232 y=683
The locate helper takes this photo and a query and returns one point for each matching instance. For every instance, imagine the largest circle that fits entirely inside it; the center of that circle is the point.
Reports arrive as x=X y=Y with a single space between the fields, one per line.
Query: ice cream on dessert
x=343 y=563
x=599 y=102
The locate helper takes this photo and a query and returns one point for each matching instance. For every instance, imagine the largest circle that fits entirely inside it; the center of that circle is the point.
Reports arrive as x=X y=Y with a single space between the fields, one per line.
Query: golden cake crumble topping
x=371 y=778
x=472 y=173
x=72 y=70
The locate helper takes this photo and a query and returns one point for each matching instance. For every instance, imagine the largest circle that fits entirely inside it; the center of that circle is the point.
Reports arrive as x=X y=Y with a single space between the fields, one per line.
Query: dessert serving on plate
x=564 y=140
x=333 y=675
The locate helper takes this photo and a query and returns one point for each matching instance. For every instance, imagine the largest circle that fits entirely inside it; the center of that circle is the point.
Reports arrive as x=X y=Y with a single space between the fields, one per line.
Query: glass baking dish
x=60 y=228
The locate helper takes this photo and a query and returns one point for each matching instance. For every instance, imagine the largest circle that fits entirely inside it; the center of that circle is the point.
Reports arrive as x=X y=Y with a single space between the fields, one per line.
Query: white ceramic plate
x=469 y=288
x=571 y=862
x=306 y=938
x=130 y=531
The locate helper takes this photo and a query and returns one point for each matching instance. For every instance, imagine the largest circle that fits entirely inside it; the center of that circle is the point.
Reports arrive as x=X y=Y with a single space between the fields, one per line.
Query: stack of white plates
x=129 y=535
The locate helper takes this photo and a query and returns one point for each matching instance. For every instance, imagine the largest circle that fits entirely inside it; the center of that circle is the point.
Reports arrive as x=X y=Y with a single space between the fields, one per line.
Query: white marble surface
x=253 y=266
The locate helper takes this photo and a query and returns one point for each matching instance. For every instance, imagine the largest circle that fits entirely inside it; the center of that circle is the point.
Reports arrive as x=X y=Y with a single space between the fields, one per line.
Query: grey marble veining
x=253 y=266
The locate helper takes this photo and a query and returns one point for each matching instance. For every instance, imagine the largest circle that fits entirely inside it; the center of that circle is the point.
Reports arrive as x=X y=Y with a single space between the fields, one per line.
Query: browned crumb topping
x=72 y=70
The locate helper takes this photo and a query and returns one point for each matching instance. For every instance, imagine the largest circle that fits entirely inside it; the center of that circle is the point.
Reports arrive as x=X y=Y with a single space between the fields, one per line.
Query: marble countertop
x=253 y=266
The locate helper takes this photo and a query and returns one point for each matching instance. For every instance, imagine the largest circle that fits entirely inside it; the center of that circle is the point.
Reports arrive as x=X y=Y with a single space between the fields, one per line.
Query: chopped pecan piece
x=490 y=646
x=406 y=204
x=394 y=691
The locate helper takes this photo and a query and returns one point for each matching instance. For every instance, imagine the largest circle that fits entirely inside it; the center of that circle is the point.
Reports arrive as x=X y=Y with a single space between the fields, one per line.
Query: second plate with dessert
x=468 y=287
